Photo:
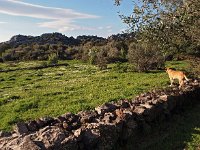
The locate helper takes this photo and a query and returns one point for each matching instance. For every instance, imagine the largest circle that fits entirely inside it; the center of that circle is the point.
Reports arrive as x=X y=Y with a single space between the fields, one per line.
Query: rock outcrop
x=103 y=128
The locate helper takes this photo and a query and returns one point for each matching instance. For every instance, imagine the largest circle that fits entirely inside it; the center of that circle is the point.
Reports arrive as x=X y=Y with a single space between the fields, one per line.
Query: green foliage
x=102 y=59
x=171 y=26
x=44 y=64
x=98 y=56
x=86 y=48
x=145 y=57
x=195 y=66
x=120 y=67
x=52 y=59
x=3 y=47
x=93 y=55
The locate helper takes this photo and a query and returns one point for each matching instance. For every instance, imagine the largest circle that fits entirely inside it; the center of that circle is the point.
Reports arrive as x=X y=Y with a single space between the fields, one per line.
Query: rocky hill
x=51 y=38
x=47 y=38
x=22 y=47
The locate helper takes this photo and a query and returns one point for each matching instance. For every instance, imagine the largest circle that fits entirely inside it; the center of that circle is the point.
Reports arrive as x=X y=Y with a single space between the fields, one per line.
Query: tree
x=171 y=25
x=102 y=58
x=93 y=55
x=145 y=57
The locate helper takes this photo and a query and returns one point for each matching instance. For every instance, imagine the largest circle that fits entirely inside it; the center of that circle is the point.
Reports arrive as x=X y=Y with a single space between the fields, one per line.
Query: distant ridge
x=50 y=38
x=23 y=47
x=55 y=38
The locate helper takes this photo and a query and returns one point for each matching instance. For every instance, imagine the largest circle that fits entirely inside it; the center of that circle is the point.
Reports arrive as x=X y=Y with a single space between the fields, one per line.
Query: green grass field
x=30 y=94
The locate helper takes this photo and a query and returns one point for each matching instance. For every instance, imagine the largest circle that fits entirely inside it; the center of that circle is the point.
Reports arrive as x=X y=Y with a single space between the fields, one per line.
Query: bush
x=43 y=64
x=195 y=66
x=120 y=67
x=53 y=59
x=145 y=57
x=101 y=59
x=93 y=55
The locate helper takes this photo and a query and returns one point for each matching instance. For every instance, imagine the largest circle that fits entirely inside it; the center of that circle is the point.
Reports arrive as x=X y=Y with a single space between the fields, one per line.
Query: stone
x=127 y=114
x=119 y=113
x=151 y=113
x=146 y=105
x=129 y=129
x=106 y=108
x=91 y=138
x=126 y=111
x=71 y=118
x=108 y=117
x=125 y=104
x=131 y=124
x=139 y=110
x=69 y=143
x=47 y=120
x=40 y=123
x=171 y=102
x=29 y=144
x=61 y=119
x=21 y=128
x=75 y=125
x=66 y=115
x=51 y=136
x=93 y=125
x=65 y=125
x=163 y=97
x=112 y=107
x=78 y=132
x=87 y=116
x=33 y=126
x=5 y=134
x=109 y=137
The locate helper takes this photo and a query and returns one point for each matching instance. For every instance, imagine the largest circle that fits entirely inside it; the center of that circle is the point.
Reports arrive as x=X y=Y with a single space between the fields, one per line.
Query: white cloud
x=110 y=30
x=63 y=25
x=1 y=22
x=100 y=28
x=108 y=27
x=60 y=18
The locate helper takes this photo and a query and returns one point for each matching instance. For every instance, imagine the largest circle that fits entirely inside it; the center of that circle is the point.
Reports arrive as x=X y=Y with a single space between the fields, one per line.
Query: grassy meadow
x=28 y=94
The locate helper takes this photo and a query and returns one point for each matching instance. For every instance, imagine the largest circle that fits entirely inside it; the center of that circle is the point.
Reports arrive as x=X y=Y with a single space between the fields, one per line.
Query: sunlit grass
x=29 y=94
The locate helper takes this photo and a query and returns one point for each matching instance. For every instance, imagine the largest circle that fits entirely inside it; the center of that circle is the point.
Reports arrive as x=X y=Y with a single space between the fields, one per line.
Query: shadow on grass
x=156 y=71
x=35 y=68
x=182 y=131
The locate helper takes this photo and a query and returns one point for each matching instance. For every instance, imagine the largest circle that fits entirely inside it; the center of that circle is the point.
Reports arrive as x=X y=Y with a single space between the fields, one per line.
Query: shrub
x=43 y=64
x=93 y=55
x=195 y=66
x=53 y=59
x=101 y=59
x=120 y=67
x=145 y=57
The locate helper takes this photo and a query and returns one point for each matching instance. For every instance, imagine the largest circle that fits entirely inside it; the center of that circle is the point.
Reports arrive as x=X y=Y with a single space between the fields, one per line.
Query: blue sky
x=70 y=17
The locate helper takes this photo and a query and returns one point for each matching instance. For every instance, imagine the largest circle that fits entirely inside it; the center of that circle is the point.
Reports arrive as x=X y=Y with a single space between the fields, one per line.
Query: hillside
x=22 y=47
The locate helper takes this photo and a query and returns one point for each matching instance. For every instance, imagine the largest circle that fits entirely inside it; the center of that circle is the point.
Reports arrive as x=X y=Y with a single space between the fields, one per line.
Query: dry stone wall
x=103 y=128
